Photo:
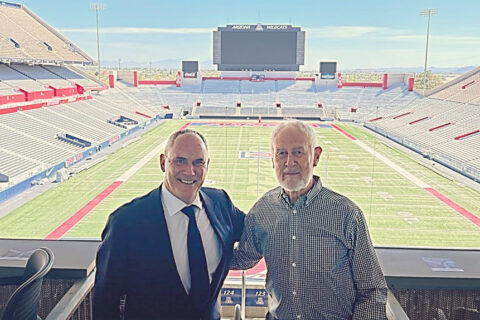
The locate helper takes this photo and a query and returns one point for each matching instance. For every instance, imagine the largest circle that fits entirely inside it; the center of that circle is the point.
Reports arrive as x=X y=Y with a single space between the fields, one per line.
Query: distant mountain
x=451 y=70
x=176 y=64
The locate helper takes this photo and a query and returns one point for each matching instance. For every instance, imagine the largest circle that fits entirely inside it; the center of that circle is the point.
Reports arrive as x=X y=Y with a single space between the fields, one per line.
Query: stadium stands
x=464 y=89
x=54 y=133
x=25 y=37
x=360 y=104
x=439 y=129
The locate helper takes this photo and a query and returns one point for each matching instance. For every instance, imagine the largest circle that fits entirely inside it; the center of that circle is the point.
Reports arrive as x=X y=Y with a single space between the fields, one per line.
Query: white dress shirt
x=177 y=224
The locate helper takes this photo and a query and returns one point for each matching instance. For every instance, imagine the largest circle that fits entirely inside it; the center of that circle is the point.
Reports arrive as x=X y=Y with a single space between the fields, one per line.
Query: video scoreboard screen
x=189 y=69
x=258 y=47
x=328 y=70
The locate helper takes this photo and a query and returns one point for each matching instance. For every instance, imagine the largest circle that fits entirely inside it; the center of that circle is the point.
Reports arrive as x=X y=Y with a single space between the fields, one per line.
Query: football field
x=404 y=202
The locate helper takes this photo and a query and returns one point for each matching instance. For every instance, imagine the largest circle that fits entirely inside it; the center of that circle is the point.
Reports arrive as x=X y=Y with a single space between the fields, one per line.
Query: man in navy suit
x=166 y=254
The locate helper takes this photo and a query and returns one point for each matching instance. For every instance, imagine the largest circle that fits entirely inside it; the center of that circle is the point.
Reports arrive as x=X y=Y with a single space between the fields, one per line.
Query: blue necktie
x=200 y=284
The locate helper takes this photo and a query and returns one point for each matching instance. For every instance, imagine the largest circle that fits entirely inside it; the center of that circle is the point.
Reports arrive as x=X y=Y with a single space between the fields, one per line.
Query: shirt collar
x=306 y=198
x=172 y=205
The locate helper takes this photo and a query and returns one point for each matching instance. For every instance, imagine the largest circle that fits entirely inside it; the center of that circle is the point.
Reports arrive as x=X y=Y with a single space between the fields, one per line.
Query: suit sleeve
x=371 y=298
x=109 y=273
x=238 y=219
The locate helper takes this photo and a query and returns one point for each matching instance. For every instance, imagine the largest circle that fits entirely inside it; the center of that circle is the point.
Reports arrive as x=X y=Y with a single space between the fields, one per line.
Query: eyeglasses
x=182 y=162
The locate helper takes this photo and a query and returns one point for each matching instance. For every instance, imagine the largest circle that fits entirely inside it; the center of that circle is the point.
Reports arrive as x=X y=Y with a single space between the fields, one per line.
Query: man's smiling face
x=185 y=165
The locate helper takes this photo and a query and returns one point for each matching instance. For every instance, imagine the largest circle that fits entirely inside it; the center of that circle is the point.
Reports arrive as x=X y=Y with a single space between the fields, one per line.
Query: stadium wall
x=398 y=78
x=249 y=74
x=125 y=75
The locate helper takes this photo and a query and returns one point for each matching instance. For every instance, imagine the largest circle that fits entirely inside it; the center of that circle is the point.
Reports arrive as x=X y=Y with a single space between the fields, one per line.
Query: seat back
x=23 y=303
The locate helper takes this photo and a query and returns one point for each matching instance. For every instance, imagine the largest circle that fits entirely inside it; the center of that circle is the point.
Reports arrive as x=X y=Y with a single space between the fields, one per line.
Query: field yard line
x=130 y=172
x=393 y=165
x=67 y=225
x=346 y=134
x=464 y=212
x=73 y=220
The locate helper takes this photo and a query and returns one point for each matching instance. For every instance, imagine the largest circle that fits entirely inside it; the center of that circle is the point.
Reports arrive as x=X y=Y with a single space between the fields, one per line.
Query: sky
x=356 y=34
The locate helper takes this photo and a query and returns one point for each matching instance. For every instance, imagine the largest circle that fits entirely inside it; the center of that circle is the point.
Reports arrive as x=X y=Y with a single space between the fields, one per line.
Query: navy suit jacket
x=136 y=275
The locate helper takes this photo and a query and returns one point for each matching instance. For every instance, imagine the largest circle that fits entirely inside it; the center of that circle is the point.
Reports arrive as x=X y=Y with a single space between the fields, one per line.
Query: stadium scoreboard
x=189 y=69
x=258 y=48
x=328 y=70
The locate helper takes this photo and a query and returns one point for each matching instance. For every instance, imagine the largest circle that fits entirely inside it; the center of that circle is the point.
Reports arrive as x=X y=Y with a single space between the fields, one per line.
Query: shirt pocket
x=323 y=253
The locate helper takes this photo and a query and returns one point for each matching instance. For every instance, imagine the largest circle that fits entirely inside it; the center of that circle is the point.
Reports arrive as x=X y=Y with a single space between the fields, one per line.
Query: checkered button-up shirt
x=320 y=259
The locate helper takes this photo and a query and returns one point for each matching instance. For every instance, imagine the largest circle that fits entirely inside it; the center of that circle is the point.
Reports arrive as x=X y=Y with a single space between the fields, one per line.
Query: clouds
x=341 y=32
x=354 y=46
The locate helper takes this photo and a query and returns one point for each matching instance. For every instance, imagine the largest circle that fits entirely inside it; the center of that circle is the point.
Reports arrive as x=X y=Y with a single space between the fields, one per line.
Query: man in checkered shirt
x=320 y=259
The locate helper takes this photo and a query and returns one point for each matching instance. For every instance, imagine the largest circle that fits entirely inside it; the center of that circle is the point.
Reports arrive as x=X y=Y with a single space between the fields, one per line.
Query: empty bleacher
x=42 y=75
x=18 y=80
x=71 y=76
x=35 y=39
x=14 y=165
x=360 y=104
x=464 y=89
x=435 y=128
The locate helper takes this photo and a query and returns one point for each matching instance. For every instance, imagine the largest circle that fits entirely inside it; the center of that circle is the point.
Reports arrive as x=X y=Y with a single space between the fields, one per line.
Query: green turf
x=397 y=210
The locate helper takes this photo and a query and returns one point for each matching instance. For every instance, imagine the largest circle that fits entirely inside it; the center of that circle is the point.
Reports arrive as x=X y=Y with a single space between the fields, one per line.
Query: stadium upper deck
x=24 y=37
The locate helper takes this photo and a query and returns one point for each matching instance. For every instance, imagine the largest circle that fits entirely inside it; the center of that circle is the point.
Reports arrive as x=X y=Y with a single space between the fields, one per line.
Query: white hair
x=302 y=126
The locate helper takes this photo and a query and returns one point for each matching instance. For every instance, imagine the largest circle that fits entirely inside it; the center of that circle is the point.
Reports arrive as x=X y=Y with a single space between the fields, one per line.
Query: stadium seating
x=35 y=39
x=464 y=89
x=17 y=80
x=435 y=128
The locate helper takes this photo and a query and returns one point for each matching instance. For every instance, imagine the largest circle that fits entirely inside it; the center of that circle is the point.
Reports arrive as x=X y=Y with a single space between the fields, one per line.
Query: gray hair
x=175 y=135
x=302 y=126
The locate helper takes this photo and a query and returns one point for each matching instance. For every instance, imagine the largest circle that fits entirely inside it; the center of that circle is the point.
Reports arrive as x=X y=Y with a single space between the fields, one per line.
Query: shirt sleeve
x=248 y=252
x=371 y=297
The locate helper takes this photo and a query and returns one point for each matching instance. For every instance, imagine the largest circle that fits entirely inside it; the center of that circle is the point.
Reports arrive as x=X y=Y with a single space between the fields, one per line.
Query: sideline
x=80 y=214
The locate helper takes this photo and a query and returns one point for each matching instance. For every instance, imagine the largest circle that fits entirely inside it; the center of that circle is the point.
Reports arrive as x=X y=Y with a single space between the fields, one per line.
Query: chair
x=23 y=303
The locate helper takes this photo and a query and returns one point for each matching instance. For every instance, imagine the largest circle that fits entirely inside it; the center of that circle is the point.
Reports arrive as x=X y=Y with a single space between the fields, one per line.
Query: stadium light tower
x=97 y=6
x=429 y=13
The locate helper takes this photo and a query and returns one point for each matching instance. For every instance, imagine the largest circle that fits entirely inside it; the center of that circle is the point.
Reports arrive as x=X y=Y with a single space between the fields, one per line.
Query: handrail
x=69 y=303
x=394 y=309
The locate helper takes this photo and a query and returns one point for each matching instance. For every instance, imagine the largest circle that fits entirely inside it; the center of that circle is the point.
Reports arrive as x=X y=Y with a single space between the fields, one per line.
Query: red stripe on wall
x=32 y=106
x=440 y=126
x=73 y=220
x=8 y=110
x=464 y=212
x=466 y=135
x=143 y=114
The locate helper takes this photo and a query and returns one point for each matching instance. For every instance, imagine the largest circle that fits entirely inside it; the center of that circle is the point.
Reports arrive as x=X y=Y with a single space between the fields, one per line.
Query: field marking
x=257 y=271
x=464 y=212
x=393 y=165
x=452 y=204
x=80 y=214
x=184 y=126
x=346 y=134
x=73 y=220
x=130 y=172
